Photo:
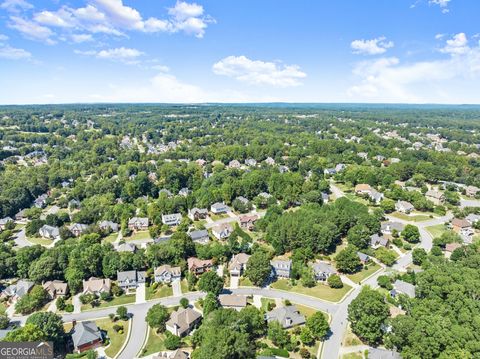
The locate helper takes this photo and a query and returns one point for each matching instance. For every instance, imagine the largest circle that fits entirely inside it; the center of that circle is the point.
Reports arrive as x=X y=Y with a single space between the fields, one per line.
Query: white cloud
x=123 y=54
x=12 y=53
x=259 y=72
x=442 y=3
x=16 y=5
x=456 y=45
x=61 y=18
x=32 y=30
x=189 y=18
x=371 y=47
x=3 y=37
x=390 y=80
x=78 y=38
x=121 y=15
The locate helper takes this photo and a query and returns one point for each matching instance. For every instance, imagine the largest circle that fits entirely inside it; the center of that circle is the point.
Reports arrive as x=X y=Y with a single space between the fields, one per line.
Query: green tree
x=157 y=316
x=418 y=256
x=258 y=267
x=27 y=333
x=171 y=341
x=347 y=260
x=32 y=301
x=334 y=281
x=277 y=334
x=122 y=312
x=51 y=325
x=411 y=233
x=210 y=282
x=318 y=325
x=210 y=303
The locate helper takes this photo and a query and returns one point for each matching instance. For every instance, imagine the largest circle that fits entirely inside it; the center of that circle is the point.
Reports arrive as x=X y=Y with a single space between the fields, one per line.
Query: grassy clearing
x=364 y=273
x=122 y=300
x=245 y=282
x=160 y=292
x=307 y=312
x=138 y=236
x=116 y=338
x=412 y=217
x=154 y=343
x=184 y=286
x=216 y=217
x=38 y=240
x=437 y=230
x=319 y=291
x=266 y=302
x=112 y=237
x=352 y=356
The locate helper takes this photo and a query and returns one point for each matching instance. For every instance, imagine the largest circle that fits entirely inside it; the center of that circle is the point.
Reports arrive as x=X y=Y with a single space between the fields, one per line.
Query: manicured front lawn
x=116 y=338
x=154 y=343
x=216 y=217
x=160 y=292
x=111 y=238
x=437 y=230
x=122 y=300
x=3 y=308
x=320 y=290
x=265 y=303
x=184 y=286
x=352 y=356
x=38 y=240
x=364 y=273
x=245 y=282
x=307 y=311
x=411 y=217
x=137 y=236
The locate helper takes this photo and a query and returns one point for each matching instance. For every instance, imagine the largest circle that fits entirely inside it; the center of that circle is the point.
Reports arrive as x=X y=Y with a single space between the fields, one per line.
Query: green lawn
x=38 y=240
x=160 y=292
x=154 y=343
x=320 y=290
x=265 y=302
x=413 y=217
x=307 y=311
x=184 y=286
x=3 y=308
x=245 y=282
x=364 y=273
x=122 y=300
x=116 y=339
x=437 y=230
x=138 y=236
x=352 y=356
x=111 y=238
x=216 y=217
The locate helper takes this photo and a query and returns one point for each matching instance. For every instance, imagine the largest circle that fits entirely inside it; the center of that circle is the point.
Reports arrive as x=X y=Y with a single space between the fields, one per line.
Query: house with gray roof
x=78 y=229
x=219 y=208
x=364 y=258
x=288 y=316
x=200 y=236
x=196 y=214
x=138 y=223
x=127 y=247
x=322 y=271
x=404 y=207
x=17 y=290
x=176 y=354
x=183 y=321
x=4 y=222
x=388 y=228
x=129 y=280
x=378 y=353
x=281 y=268
x=108 y=226
x=86 y=336
x=173 y=219
x=233 y=301
x=97 y=285
x=472 y=218
x=377 y=241
x=167 y=274
x=238 y=264
x=49 y=232
x=403 y=288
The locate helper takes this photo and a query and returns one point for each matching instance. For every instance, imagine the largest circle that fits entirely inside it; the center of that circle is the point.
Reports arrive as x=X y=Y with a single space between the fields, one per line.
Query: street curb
x=144 y=341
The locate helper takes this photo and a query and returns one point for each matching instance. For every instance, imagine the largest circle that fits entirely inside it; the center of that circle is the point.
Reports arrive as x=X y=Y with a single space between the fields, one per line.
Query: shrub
x=334 y=281
x=69 y=308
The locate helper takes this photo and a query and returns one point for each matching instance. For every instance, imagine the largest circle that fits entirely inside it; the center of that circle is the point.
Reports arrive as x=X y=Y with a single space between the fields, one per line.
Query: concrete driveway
x=140 y=294
x=234 y=281
x=177 y=288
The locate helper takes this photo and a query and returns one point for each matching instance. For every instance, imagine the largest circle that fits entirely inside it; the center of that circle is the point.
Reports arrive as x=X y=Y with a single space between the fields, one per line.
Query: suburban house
x=237 y=302
x=340 y=167
x=138 y=223
x=199 y=266
x=173 y=219
x=401 y=287
x=196 y=214
x=176 y=354
x=330 y=171
x=389 y=228
x=41 y=201
x=200 y=236
x=462 y=226
x=377 y=241
x=86 y=336
x=218 y=208
x=377 y=353
x=322 y=270
x=165 y=191
x=4 y=221
x=167 y=274
x=362 y=155
x=450 y=247
x=127 y=247
x=78 y=229
x=222 y=231
x=17 y=290
x=97 y=285
x=184 y=192
x=183 y=321
x=404 y=207
x=20 y=216
x=238 y=264
x=251 y=162
x=108 y=226
x=234 y=164
x=288 y=316
x=325 y=197
x=364 y=258
x=375 y=196
x=242 y=200
x=49 y=232
x=471 y=191
x=363 y=188
x=435 y=196
x=281 y=268
x=270 y=161
x=248 y=222
x=129 y=280
x=56 y=288
x=283 y=169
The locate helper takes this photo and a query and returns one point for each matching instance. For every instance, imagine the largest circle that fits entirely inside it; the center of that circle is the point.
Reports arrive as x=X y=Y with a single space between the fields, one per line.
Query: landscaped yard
x=412 y=217
x=38 y=240
x=184 y=286
x=437 y=230
x=306 y=311
x=137 y=236
x=160 y=292
x=154 y=343
x=116 y=338
x=352 y=356
x=265 y=303
x=111 y=237
x=364 y=273
x=122 y=300
x=245 y=282
x=216 y=217
x=320 y=290
x=3 y=308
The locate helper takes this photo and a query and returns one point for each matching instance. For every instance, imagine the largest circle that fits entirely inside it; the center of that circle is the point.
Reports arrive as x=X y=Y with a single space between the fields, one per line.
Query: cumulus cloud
x=79 y=38
x=371 y=47
x=442 y=3
x=123 y=54
x=32 y=30
x=258 y=72
x=390 y=80
x=12 y=53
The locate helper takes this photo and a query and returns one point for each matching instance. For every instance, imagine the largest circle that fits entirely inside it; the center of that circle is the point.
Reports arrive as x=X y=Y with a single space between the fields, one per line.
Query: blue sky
x=401 y=51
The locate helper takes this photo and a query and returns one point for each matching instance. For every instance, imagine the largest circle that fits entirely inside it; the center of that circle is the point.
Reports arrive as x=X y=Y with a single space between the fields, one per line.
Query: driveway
x=140 y=294
x=177 y=288
x=21 y=239
x=77 y=305
x=234 y=281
